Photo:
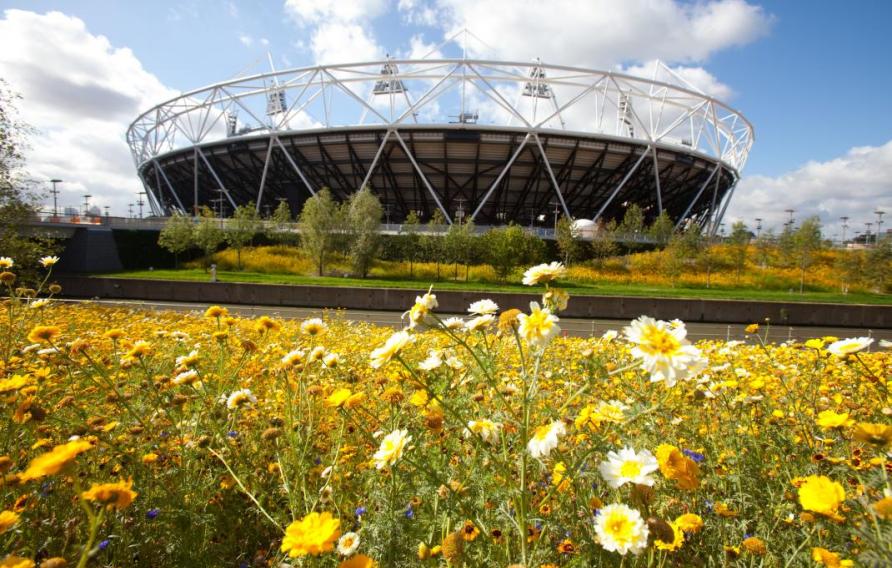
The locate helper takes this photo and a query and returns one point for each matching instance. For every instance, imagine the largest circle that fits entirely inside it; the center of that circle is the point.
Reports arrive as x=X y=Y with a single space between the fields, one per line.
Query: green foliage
x=509 y=247
x=603 y=244
x=17 y=203
x=738 y=242
x=661 y=229
x=806 y=243
x=241 y=228
x=207 y=234
x=176 y=236
x=318 y=222
x=569 y=244
x=459 y=245
x=280 y=225
x=878 y=266
x=364 y=213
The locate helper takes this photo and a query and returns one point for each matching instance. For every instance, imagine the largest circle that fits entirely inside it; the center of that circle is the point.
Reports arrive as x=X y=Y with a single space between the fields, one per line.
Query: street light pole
x=879 y=215
x=758 y=227
x=140 y=203
x=87 y=204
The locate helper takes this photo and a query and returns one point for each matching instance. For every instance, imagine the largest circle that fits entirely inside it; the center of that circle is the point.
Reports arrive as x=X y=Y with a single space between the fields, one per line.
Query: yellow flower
x=677 y=539
x=116 y=495
x=876 y=434
x=8 y=519
x=678 y=467
x=689 y=523
x=6 y=262
x=821 y=494
x=314 y=534
x=621 y=529
x=54 y=460
x=830 y=559
x=828 y=419
x=755 y=545
x=16 y=562
x=815 y=343
x=752 y=328
x=216 y=312
x=882 y=508
x=45 y=333
x=358 y=561
x=382 y=355
x=150 y=458
x=337 y=398
x=539 y=327
x=392 y=447
x=48 y=261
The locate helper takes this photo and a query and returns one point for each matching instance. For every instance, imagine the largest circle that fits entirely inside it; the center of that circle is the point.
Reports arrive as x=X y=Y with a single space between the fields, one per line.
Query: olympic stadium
x=490 y=141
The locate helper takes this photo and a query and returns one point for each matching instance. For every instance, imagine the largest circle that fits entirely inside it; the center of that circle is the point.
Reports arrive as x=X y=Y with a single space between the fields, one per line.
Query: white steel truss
x=658 y=113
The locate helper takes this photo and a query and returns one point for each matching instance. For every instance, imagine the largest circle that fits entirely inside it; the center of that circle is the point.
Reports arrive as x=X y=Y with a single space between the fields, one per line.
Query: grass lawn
x=575 y=288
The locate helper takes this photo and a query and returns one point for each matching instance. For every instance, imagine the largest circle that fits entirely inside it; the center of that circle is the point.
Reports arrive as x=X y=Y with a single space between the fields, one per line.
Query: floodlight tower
x=790 y=213
x=140 y=202
x=879 y=213
x=758 y=227
x=87 y=204
x=55 y=193
x=867 y=235
x=845 y=225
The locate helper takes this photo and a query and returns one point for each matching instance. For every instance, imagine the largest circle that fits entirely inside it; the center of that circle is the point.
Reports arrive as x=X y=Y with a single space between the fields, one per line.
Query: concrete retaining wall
x=599 y=307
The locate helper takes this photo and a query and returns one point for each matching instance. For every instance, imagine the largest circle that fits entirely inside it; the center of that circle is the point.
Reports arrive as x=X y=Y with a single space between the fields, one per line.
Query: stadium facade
x=490 y=141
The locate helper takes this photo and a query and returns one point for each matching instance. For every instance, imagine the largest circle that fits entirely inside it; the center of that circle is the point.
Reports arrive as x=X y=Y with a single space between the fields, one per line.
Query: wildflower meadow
x=141 y=438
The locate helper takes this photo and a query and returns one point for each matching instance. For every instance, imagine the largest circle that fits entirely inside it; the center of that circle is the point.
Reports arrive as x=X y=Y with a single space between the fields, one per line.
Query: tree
x=786 y=245
x=604 y=243
x=568 y=241
x=850 y=265
x=806 y=243
x=364 y=213
x=410 y=240
x=878 y=266
x=661 y=229
x=17 y=203
x=738 y=243
x=432 y=242
x=318 y=222
x=280 y=224
x=509 y=247
x=207 y=235
x=458 y=245
x=764 y=247
x=631 y=226
x=242 y=228
x=176 y=236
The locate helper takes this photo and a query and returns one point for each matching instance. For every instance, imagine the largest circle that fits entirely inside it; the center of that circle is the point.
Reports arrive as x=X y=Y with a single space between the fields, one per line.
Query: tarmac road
x=570 y=326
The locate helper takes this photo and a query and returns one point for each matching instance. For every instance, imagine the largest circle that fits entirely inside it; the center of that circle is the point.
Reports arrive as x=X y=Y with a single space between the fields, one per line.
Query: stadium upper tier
x=491 y=141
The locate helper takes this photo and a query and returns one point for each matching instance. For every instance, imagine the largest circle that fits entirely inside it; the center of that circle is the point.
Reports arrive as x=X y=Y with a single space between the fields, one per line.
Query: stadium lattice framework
x=491 y=141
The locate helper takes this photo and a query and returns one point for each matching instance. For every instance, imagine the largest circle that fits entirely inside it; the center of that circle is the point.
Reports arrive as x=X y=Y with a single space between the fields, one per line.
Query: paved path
x=570 y=326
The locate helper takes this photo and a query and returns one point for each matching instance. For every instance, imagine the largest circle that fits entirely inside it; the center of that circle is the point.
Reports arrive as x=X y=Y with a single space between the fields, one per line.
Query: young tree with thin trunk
x=318 y=222
x=568 y=241
x=241 y=229
x=807 y=243
x=207 y=235
x=738 y=243
x=280 y=225
x=176 y=236
x=364 y=214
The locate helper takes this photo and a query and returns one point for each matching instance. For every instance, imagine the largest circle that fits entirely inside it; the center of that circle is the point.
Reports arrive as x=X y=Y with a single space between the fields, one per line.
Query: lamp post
x=55 y=193
x=130 y=208
x=758 y=227
x=140 y=203
x=87 y=204
x=879 y=213
x=790 y=213
x=845 y=225
x=867 y=234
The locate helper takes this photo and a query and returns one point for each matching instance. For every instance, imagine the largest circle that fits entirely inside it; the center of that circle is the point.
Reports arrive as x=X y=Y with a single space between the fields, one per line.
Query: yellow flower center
x=659 y=341
x=630 y=469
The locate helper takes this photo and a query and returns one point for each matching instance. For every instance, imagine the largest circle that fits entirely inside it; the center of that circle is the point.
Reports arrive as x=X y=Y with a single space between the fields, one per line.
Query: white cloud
x=852 y=185
x=340 y=31
x=318 y=11
x=80 y=93
x=246 y=40
x=341 y=42
x=599 y=33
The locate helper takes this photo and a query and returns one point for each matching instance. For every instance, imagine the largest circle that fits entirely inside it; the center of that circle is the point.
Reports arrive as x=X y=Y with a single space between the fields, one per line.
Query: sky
x=811 y=76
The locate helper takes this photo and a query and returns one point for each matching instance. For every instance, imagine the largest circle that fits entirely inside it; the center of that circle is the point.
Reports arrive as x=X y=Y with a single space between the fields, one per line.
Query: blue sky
x=812 y=77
